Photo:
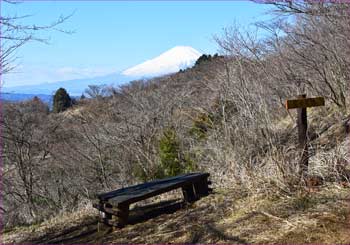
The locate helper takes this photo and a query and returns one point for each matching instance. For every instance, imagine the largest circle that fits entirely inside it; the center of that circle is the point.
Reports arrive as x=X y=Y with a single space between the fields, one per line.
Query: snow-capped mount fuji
x=171 y=61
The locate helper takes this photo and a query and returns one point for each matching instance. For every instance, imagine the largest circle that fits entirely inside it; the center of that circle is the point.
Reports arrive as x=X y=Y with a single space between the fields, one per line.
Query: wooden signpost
x=301 y=104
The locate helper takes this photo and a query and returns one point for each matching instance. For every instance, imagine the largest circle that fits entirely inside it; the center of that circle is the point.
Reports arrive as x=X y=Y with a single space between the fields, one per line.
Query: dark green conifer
x=61 y=100
x=169 y=150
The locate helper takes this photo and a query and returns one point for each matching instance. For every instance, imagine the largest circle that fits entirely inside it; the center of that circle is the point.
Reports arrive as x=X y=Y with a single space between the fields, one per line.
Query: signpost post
x=301 y=104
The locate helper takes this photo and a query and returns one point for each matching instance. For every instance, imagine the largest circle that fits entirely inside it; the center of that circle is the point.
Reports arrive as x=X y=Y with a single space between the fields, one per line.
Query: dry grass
x=55 y=226
x=227 y=216
x=306 y=217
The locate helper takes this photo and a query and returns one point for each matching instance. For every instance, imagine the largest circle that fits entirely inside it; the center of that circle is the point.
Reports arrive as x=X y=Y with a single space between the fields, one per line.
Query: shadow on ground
x=87 y=232
x=144 y=213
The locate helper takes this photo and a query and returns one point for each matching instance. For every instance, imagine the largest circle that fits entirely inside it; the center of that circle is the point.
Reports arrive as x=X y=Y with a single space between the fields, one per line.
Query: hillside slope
x=229 y=215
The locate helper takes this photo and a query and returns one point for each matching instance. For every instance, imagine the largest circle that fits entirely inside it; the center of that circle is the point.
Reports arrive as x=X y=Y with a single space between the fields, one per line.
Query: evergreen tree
x=169 y=149
x=202 y=59
x=61 y=100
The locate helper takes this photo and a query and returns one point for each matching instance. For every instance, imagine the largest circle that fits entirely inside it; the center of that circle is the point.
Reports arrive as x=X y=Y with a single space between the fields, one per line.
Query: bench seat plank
x=142 y=191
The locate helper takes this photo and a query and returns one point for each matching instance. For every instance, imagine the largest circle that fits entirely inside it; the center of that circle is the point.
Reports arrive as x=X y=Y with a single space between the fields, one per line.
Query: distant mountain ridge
x=21 y=97
x=74 y=87
x=171 y=61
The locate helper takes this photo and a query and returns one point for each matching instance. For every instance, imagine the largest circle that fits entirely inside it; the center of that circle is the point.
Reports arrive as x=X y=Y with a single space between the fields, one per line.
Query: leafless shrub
x=305 y=55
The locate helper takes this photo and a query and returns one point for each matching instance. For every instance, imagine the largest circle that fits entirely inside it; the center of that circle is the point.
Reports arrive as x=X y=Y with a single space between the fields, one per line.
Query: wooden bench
x=114 y=205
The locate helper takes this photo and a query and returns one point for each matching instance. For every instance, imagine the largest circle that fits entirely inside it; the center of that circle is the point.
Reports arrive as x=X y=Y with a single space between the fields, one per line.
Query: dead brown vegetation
x=228 y=116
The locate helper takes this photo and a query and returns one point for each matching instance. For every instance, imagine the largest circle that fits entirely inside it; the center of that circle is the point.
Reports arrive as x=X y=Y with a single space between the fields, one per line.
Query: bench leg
x=188 y=193
x=122 y=217
x=113 y=217
x=201 y=188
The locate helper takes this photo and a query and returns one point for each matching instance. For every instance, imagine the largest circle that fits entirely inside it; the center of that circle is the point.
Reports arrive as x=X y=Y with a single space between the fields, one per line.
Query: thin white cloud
x=31 y=75
x=83 y=72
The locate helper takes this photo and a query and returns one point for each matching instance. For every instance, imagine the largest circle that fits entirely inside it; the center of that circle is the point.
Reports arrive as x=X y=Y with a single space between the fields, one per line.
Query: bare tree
x=26 y=150
x=97 y=91
x=14 y=35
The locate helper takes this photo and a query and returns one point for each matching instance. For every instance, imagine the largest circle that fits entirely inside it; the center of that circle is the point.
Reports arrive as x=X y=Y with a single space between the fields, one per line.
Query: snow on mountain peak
x=179 y=57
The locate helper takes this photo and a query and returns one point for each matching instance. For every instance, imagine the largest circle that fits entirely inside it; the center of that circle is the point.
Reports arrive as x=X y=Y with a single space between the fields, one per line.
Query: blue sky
x=111 y=36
